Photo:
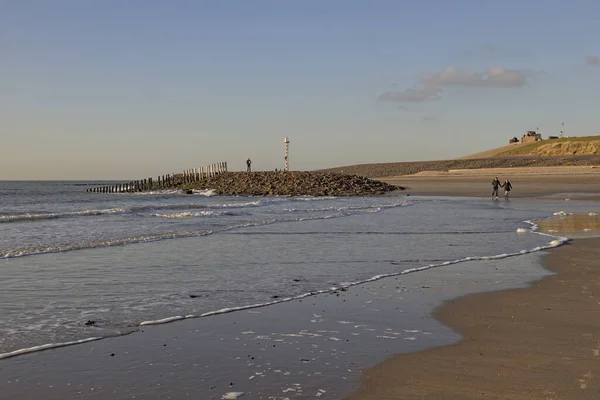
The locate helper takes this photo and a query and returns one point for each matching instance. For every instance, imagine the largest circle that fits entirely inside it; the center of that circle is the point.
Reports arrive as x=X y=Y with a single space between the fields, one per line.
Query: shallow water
x=124 y=260
x=302 y=349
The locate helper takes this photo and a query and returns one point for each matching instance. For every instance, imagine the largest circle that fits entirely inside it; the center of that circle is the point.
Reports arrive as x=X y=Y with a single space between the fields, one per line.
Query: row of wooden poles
x=164 y=181
x=195 y=174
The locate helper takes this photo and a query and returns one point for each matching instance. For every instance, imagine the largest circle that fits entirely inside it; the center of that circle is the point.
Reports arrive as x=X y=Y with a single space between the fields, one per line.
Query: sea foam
x=65 y=247
x=46 y=347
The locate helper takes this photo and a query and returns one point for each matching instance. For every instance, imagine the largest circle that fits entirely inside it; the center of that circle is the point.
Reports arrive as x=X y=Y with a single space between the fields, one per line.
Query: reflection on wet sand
x=573 y=224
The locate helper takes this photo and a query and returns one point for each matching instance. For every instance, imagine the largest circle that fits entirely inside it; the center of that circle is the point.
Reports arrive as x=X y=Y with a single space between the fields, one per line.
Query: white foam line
x=312 y=198
x=46 y=347
x=23 y=252
x=81 y=213
x=162 y=321
x=188 y=214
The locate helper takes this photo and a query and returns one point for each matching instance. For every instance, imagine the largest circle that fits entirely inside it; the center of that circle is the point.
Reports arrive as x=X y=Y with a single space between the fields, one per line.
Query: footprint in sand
x=583 y=382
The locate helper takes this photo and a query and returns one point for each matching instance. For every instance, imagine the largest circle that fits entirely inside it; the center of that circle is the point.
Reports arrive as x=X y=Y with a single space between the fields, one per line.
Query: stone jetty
x=263 y=183
x=295 y=183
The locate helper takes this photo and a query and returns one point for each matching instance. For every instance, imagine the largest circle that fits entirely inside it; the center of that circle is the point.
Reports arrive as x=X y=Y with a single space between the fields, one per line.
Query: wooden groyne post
x=164 y=181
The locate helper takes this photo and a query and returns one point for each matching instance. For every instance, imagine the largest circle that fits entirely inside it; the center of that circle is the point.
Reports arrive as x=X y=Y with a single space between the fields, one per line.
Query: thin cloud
x=429 y=118
x=592 y=60
x=496 y=77
x=432 y=84
x=412 y=95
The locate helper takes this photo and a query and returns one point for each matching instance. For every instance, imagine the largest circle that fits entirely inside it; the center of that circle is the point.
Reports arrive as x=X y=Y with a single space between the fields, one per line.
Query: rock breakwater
x=295 y=183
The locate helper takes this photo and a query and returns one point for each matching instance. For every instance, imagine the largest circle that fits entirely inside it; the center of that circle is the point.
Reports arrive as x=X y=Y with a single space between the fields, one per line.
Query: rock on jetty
x=281 y=183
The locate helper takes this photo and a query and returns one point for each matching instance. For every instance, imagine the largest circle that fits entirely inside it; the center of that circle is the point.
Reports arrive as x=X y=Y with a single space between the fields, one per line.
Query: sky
x=115 y=89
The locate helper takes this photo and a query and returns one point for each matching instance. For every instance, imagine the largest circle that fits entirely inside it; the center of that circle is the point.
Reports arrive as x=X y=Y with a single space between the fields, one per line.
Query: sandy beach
x=553 y=183
x=541 y=342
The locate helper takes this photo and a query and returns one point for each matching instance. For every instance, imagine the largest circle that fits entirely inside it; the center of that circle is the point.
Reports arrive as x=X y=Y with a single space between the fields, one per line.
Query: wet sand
x=551 y=183
x=541 y=342
x=572 y=225
x=312 y=348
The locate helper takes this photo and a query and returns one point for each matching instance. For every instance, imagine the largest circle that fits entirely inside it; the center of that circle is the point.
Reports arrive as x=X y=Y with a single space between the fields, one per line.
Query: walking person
x=507 y=187
x=248 y=163
x=495 y=185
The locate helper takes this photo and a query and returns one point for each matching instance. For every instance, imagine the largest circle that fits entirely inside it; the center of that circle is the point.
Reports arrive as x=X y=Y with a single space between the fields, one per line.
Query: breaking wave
x=42 y=216
x=60 y=248
x=192 y=214
x=27 y=217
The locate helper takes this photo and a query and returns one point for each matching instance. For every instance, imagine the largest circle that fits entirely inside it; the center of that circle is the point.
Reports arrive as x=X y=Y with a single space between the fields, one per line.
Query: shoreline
x=567 y=183
x=555 y=240
x=538 y=342
x=80 y=354
x=321 y=343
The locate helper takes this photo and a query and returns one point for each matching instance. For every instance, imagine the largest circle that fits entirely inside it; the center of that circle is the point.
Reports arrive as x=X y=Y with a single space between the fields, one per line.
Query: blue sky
x=128 y=89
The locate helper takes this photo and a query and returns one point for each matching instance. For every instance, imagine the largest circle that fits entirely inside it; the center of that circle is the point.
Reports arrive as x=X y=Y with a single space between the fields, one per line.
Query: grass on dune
x=529 y=148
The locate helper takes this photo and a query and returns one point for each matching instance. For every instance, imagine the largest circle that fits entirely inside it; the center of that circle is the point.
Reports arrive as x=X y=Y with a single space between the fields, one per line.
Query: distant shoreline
x=556 y=183
x=379 y=170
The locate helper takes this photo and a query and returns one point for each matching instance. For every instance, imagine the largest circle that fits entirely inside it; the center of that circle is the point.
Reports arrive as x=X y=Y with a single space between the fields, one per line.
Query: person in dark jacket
x=495 y=185
x=248 y=164
x=507 y=187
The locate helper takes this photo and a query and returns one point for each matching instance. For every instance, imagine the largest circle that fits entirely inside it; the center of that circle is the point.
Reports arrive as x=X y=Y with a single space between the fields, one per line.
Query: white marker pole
x=287 y=143
x=562 y=128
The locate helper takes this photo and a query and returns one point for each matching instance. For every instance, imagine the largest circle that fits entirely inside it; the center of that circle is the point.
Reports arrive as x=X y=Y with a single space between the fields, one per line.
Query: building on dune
x=531 y=136
x=534 y=136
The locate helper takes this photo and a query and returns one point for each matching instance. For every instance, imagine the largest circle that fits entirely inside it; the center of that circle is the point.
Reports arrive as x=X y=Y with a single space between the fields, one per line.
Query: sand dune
x=491 y=152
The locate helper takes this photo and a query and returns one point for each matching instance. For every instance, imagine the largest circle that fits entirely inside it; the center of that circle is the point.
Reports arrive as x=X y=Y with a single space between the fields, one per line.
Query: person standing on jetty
x=495 y=185
x=507 y=187
x=248 y=163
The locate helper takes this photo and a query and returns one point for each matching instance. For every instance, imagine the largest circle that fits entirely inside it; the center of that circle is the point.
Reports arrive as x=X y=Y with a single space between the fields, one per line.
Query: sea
x=77 y=266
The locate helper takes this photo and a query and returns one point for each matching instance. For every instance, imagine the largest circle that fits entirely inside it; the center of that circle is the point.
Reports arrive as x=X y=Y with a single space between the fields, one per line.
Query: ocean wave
x=28 y=217
x=358 y=208
x=43 y=216
x=37 y=216
x=206 y=192
x=61 y=248
x=194 y=206
x=312 y=198
x=192 y=214
x=322 y=209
